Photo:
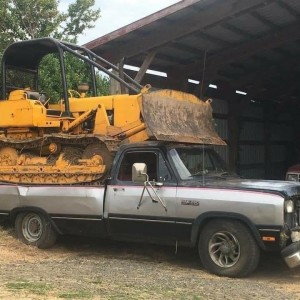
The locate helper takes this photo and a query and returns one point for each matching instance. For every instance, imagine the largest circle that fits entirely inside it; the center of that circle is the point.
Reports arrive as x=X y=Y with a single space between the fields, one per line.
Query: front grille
x=296 y=200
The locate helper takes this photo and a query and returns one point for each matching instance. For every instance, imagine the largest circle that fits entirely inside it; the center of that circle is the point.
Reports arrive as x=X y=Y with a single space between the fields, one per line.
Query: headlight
x=292 y=177
x=289 y=206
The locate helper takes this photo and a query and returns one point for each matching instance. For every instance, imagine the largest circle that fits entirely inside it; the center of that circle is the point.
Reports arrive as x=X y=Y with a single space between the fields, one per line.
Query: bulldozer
x=73 y=140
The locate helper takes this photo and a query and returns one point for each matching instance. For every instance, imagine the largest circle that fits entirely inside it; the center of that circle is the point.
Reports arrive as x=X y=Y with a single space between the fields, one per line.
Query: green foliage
x=32 y=19
x=103 y=85
x=81 y=16
x=28 y=19
x=77 y=72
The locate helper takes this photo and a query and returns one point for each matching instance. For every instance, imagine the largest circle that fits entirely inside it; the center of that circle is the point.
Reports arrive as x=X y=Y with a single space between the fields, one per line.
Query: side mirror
x=139 y=172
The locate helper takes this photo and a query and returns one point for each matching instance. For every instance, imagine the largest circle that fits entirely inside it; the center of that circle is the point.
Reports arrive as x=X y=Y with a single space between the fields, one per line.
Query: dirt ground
x=79 y=268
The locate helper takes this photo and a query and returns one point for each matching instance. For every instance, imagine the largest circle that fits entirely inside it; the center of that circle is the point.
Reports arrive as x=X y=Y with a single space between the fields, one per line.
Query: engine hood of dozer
x=179 y=117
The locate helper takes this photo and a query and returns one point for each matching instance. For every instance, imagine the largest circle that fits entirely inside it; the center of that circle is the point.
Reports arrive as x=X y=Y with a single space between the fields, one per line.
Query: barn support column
x=295 y=157
x=267 y=141
x=115 y=86
x=233 y=126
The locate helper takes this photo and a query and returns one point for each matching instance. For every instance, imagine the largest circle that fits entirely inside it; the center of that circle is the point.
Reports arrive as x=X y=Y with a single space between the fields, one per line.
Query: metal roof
x=253 y=45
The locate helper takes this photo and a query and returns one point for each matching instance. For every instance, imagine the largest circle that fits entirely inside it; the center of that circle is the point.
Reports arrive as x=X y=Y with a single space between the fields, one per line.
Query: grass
x=76 y=295
x=36 y=288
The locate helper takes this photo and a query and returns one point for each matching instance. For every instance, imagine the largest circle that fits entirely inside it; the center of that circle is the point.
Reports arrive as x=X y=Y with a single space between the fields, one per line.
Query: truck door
x=149 y=220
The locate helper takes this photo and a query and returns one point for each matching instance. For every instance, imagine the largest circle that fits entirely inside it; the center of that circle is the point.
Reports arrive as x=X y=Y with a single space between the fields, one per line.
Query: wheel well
x=18 y=210
x=203 y=219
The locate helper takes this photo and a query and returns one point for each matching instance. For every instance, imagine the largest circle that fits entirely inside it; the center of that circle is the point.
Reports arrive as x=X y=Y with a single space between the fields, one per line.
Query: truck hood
x=286 y=188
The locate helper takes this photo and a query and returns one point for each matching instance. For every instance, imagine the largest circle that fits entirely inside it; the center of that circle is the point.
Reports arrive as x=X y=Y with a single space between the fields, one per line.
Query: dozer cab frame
x=73 y=141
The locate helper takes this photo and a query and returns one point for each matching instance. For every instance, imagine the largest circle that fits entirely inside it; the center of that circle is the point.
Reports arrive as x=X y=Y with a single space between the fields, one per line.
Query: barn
x=243 y=54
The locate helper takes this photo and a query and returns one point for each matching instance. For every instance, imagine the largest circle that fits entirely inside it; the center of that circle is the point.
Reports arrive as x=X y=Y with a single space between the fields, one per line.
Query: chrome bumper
x=291 y=254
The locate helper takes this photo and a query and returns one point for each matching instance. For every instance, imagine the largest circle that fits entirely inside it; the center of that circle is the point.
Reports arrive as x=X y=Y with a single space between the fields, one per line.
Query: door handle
x=119 y=189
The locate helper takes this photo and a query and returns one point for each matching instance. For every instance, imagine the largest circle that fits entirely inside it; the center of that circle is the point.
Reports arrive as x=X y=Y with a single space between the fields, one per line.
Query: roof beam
x=146 y=63
x=212 y=39
x=221 y=11
x=185 y=48
x=288 y=8
x=237 y=30
x=263 y=20
x=247 y=49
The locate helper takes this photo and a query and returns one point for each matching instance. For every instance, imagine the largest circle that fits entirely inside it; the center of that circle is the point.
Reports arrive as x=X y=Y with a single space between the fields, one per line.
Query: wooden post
x=115 y=87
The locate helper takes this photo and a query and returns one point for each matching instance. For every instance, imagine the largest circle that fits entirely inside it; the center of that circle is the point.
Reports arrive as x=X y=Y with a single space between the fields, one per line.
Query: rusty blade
x=179 y=117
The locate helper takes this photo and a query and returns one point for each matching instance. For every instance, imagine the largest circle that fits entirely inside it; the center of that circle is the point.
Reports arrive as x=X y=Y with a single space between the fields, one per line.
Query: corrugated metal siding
x=278 y=153
x=278 y=171
x=285 y=116
x=252 y=131
x=253 y=110
x=281 y=132
x=223 y=151
x=252 y=173
x=221 y=126
x=252 y=144
x=220 y=106
x=251 y=154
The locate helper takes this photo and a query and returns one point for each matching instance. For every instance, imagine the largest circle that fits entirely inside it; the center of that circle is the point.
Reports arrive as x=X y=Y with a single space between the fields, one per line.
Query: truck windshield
x=197 y=161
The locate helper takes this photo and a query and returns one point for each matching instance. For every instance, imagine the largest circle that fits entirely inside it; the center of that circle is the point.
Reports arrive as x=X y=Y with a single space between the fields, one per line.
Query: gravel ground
x=88 y=269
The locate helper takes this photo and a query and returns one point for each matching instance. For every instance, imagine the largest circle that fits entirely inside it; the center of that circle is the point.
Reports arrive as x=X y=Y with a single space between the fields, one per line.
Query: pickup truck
x=162 y=192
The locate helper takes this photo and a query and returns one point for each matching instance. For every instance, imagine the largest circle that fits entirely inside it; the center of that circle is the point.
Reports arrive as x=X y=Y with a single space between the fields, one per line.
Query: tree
x=81 y=16
x=28 y=19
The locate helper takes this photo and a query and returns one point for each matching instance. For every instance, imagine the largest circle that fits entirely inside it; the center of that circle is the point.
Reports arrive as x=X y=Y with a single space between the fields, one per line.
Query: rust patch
x=179 y=117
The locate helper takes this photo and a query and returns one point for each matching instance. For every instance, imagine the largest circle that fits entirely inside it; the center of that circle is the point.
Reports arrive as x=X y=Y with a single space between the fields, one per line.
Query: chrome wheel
x=224 y=249
x=32 y=227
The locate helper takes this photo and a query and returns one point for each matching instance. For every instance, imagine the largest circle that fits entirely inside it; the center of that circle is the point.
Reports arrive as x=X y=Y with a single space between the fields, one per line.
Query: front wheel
x=35 y=229
x=227 y=248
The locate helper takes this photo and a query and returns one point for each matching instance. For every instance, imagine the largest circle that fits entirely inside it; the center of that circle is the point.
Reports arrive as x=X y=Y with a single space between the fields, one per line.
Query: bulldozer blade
x=179 y=117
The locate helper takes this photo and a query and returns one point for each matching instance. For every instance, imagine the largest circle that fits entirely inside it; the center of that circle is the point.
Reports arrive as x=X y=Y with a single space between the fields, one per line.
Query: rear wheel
x=35 y=229
x=227 y=248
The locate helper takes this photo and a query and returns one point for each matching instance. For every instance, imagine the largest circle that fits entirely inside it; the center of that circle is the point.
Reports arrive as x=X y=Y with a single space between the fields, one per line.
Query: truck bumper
x=291 y=254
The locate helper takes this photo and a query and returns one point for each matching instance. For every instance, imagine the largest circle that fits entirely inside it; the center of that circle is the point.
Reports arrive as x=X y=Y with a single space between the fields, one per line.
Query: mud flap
x=179 y=117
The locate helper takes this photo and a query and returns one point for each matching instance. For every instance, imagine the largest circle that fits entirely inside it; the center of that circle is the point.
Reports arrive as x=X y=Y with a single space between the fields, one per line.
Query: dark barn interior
x=243 y=54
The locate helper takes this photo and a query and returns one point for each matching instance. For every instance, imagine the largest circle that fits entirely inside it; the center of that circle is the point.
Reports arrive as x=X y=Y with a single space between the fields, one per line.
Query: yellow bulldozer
x=73 y=141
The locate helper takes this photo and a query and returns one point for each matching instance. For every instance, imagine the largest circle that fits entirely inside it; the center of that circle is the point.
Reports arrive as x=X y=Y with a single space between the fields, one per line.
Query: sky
x=118 y=13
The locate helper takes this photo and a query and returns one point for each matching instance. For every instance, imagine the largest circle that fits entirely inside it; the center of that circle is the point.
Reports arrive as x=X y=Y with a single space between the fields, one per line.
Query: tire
x=227 y=248
x=35 y=229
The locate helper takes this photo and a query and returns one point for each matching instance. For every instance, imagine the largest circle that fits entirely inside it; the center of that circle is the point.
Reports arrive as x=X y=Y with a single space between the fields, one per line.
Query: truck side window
x=149 y=158
x=163 y=171
x=156 y=166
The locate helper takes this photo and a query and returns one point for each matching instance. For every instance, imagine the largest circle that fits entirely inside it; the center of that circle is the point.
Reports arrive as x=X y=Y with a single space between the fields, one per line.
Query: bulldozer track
x=73 y=150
